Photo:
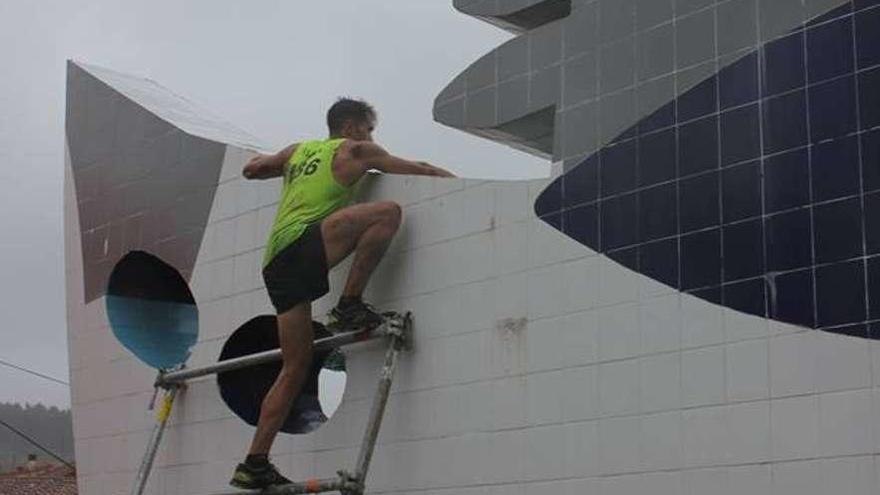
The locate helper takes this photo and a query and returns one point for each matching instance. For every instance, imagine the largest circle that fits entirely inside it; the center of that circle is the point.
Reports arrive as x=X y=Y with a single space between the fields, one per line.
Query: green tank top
x=309 y=194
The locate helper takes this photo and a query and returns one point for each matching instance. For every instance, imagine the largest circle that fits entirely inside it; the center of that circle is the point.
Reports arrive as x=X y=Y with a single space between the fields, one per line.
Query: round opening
x=243 y=390
x=152 y=311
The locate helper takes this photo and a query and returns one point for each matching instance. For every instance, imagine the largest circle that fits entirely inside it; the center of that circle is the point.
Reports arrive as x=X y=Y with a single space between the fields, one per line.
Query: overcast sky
x=271 y=67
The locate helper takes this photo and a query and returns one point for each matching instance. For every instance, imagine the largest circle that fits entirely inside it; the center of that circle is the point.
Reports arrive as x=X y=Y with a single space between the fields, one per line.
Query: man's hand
x=253 y=167
x=437 y=171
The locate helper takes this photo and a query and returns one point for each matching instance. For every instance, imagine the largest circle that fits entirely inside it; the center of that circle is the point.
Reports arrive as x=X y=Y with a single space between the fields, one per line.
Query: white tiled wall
x=539 y=367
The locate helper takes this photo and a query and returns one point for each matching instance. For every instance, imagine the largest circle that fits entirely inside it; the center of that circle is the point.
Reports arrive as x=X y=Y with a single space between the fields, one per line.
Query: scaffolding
x=396 y=329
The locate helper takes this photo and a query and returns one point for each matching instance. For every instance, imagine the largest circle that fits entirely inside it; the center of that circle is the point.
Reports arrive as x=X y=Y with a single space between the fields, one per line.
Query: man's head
x=351 y=119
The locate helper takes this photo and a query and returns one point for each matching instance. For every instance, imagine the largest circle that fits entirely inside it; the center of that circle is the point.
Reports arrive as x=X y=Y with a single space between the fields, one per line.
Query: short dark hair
x=346 y=109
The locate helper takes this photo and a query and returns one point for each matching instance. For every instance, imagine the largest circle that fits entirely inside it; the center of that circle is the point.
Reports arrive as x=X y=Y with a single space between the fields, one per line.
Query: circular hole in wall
x=151 y=310
x=243 y=390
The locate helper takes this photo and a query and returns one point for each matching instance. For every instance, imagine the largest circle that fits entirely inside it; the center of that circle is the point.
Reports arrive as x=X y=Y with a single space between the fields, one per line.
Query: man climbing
x=314 y=230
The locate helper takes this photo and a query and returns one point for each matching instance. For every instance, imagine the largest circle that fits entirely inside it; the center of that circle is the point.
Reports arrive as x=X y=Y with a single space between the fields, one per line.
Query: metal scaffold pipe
x=167 y=379
x=162 y=415
x=398 y=329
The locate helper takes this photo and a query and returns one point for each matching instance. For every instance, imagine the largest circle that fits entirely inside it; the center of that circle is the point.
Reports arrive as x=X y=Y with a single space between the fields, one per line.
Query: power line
x=34 y=443
x=32 y=372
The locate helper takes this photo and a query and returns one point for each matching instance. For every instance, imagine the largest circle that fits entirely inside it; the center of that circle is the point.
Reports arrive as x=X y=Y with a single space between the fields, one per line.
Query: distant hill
x=49 y=426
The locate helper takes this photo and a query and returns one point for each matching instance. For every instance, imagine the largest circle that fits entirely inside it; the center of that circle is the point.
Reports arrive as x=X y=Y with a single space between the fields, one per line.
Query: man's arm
x=268 y=166
x=370 y=155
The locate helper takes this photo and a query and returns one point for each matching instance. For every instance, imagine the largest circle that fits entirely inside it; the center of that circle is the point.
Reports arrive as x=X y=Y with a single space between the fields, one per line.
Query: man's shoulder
x=308 y=148
x=364 y=150
x=344 y=155
x=353 y=150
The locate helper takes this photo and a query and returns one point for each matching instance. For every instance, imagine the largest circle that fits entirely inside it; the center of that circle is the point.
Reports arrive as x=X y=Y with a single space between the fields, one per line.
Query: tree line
x=49 y=426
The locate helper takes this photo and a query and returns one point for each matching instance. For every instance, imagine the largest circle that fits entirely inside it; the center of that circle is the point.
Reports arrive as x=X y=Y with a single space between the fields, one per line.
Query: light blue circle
x=160 y=333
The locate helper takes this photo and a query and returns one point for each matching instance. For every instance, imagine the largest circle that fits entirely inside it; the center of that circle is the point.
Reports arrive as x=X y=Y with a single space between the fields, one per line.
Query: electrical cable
x=34 y=443
x=47 y=377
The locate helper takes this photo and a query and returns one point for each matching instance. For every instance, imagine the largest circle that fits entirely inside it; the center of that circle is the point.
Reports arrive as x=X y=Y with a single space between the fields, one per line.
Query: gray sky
x=269 y=66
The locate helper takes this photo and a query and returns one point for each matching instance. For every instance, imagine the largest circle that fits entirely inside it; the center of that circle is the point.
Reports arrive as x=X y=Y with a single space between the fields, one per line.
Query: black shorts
x=298 y=273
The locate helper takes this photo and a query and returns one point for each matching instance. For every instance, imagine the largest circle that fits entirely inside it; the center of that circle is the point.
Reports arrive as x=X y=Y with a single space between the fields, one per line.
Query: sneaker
x=248 y=477
x=356 y=316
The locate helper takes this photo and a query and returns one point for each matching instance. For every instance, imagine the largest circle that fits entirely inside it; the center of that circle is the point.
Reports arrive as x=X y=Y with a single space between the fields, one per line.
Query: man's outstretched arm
x=268 y=166
x=372 y=156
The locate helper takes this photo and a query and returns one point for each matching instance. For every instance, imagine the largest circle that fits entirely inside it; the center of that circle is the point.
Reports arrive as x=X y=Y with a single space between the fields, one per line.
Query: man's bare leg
x=296 y=335
x=365 y=229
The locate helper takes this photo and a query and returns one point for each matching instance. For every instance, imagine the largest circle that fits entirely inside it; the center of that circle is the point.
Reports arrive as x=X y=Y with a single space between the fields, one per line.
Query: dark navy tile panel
x=738 y=82
x=874 y=287
x=863 y=4
x=657 y=157
x=789 y=240
x=711 y=294
x=698 y=146
x=698 y=202
x=840 y=293
x=744 y=250
x=659 y=260
x=837 y=230
x=618 y=171
x=582 y=224
x=871 y=160
x=868 y=38
x=619 y=221
x=786 y=180
x=757 y=188
x=657 y=218
x=792 y=297
x=582 y=184
x=872 y=224
x=748 y=296
x=554 y=219
x=869 y=98
x=550 y=200
x=830 y=49
x=832 y=108
x=741 y=191
x=740 y=134
x=783 y=65
x=701 y=256
x=842 y=11
x=662 y=118
x=835 y=169
x=785 y=121
x=700 y=101
x=627 y=257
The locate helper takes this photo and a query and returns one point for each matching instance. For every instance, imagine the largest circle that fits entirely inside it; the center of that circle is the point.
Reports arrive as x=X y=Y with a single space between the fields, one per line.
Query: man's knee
x=391 y=213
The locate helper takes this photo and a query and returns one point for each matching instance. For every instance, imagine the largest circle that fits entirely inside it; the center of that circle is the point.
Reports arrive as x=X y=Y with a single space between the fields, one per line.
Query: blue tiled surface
x=759 y=187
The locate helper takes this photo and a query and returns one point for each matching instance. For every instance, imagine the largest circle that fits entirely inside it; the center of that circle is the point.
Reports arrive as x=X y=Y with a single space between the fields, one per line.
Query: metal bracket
x=351 y=485
x=400 y=327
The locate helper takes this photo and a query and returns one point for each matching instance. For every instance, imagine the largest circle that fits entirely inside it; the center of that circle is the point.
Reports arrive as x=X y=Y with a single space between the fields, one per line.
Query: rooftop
x=37 y=478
